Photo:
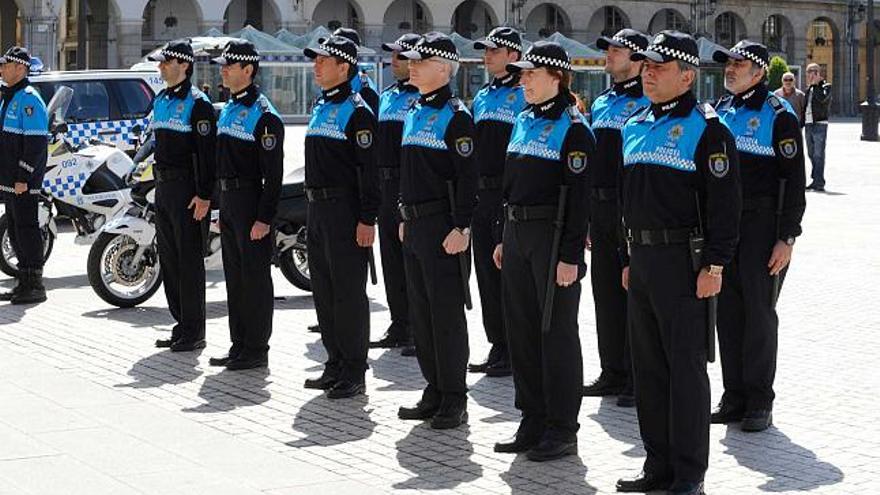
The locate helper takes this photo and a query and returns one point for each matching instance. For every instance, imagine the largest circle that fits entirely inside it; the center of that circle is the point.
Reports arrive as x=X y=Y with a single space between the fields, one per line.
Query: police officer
x=768 y=139
x=250 y=154
x=185 y=132
x=361 y=82
x=343 y=199
x=24 y=126
x=394 y=102
x=610 y=110
x=681 y=206
x=437 y=155
x=495 y=109
x=546 y=180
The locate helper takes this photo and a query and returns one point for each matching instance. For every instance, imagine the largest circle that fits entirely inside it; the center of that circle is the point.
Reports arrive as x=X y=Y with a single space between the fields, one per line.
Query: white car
x=106 y=104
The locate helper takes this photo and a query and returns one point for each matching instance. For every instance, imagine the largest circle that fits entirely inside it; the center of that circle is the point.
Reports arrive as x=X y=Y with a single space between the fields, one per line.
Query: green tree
x=778 y=67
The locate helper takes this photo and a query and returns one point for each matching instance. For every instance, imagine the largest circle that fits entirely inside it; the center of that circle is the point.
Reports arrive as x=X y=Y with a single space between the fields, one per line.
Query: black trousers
x=668 y=339
x=338 y=269
x=246 y=265
x=547 y=367
x=24 y=230
x=391 y=249
x=747 y=324
x=608 y=294
x=487 y=214
x=181 y=254
x=436 y=304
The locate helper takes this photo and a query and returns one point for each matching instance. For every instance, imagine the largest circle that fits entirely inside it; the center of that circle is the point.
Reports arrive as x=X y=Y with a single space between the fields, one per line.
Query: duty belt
x=487 y=183
x=389 y=173
x=326 y=194
x=171 y=174
x=422 y=210
x=516 y=213
x=236 y=183
x=660 y=237
x=603 y=194
x=763 y=203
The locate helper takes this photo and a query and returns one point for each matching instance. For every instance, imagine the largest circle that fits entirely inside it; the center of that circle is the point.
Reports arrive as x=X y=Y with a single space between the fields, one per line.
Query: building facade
x=119 y=32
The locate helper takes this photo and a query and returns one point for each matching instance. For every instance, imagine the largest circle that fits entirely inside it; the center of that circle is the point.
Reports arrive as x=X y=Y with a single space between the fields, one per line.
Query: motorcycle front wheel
x=294 y=265
x=115 y=275
x=8 y=258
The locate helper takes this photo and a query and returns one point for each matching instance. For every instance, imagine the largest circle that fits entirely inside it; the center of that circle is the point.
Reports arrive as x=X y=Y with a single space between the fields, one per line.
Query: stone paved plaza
x=88 y=406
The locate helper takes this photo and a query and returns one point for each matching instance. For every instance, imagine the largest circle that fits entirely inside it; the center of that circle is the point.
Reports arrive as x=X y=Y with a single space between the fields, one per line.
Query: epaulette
x=641 y=115
x=777 y=105
x=457 y=105
x=607 y=90
x=30 y=90
x=390 y=86
x=707 y=110
x=358 y=101
x=264 y=103
x=574 y=115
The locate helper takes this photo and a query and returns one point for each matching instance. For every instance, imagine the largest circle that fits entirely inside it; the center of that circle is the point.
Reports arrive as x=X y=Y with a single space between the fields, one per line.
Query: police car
x=106 y=104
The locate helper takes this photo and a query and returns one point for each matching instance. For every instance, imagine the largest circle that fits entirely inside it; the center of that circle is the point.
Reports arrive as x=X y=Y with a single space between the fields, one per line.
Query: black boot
x=32 y=290
x=7 y=296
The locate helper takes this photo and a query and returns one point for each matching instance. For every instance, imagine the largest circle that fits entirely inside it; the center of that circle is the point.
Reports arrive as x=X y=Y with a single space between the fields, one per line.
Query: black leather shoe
x=182 y=346
x=552 y=447
x=757 y=420
x=315 y=328
x=220 y=361
x=478 y=367
x=408 y=351
x=393 y=338
x=499 y=368
x=495 y=353
x=164 y=343
x=686 y=488
x=604 y=385
x=345 y=389
x=323 y=382
x=247 y=363
x=7 y=296
x=521 y=442
x=31 y=290
x=448 y=418
x=644 y=482
x=423 y=410
x=727 y=412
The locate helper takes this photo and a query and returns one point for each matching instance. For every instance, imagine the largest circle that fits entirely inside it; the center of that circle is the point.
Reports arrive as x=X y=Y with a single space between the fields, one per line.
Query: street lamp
x=869 y=108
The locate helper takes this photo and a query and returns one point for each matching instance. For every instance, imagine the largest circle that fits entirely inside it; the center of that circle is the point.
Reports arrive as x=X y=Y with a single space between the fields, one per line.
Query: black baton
x=371 y=259
x=462 y=256
x=697 y=246
x=780 y=203
x=550 y=293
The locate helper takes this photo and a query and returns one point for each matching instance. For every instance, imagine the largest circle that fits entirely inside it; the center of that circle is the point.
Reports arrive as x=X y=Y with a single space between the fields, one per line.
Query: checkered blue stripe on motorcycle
x=79 y=133
x=64 y=186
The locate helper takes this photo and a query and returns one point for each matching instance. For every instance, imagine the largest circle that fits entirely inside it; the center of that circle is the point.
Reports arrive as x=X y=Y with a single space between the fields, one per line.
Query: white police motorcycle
x=87 y=183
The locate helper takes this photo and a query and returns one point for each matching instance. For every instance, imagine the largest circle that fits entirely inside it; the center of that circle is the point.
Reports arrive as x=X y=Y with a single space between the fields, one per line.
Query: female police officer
x=545 y=193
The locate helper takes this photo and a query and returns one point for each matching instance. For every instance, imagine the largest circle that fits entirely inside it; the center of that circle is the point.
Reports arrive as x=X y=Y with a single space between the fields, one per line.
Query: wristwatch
x=789 y=241
x=714 y=270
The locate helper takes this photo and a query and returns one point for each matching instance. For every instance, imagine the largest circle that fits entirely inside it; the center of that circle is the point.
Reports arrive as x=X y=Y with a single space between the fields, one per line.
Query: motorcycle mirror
x=59 y=104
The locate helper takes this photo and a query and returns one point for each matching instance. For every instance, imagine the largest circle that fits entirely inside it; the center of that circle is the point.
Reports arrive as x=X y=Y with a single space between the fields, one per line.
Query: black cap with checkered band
x=744 y=50
x=542 y=54
x=180 y=50
x=668 y=46
x=335 y=46
x=238 y=51
x=502 y=36
x=17 y=55
x=625 y=38
x=405 y=42
x=345 y=32
x=433 y=44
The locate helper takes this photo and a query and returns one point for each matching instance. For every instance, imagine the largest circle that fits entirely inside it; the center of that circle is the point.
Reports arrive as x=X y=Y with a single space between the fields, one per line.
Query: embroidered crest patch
x=577 y=161
x=788 y=148
x=364 y=138
x=268 y=141
x=203 y=127
x=464 y=146
x=719 y=164
x=29 y=110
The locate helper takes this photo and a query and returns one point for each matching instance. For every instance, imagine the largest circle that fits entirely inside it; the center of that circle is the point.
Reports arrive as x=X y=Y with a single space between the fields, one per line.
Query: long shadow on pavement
x=786 y=463
x=568 y=475
x=438 y=459
x=328 y=422
x=496 y=393
x=162 y=368
x=619 y=423
x=229 y=390
x=401 y=372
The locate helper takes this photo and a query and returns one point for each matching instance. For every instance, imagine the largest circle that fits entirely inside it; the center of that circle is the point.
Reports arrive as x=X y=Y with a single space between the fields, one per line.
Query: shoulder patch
x=364 y=138
x=203 y=127
x=268 y=141
x=788 y=148
x=719 y=164
x=464 y=146
x=577 y=161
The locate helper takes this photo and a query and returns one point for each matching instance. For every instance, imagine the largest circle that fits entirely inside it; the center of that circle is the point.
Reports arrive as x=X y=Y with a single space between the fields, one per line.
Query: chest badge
x=753 y=124
x=629 y=107
x=675 y=133
x=511 y=97
x=29 y=110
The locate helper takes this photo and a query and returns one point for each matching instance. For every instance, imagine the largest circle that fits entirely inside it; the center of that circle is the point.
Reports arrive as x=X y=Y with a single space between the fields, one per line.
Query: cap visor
x=315 y=53
x=156 y=57
x=604 y=42
x=2 y=60
x=392 y=47
x=410 y=55
x=650 y=55
x=521 y=65
x=484 y=43
x=220 y=61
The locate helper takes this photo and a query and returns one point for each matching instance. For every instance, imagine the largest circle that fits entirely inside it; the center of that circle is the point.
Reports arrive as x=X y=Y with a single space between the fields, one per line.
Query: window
x=613 y=21
x=725 y=29
x=675 y=21
x=90 y=100
x=773 y=33
x=133 y=98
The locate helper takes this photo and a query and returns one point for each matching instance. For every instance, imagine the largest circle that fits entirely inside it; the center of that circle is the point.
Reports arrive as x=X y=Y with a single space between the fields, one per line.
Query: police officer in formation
x=185 y=132
x=495 y=109
x=24 y=126
x=343 y=200
x=681 y=207
x=609 y=112
x=771 y=155
x=438 y=183
x=250 y=153
x=394 y=103
x=546 y=216
x=361 y=82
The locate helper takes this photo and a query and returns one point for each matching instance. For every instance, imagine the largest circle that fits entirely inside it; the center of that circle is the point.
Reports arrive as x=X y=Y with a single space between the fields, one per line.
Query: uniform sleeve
x=371 y=97
x=204 y=124
x=788 y=145
x=460 y=141
x=35 y=134
x=717 y=163
x=579 y=150
x=269 y=134
x=361 y=133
